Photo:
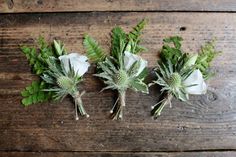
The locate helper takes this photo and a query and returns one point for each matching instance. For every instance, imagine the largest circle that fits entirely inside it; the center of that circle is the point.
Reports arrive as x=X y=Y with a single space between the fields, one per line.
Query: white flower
x=197 y=80
x=130 y=59
x=78 y=62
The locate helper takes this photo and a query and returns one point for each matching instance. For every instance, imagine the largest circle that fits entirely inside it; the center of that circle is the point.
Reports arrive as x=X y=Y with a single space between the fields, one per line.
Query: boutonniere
x=181 y=74
x=59 y=72
x=123 y=69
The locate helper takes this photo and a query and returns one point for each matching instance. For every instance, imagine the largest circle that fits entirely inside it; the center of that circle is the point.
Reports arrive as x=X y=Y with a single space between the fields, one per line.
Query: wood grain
x=19 y=6
x=112 y=154
x=208 y=123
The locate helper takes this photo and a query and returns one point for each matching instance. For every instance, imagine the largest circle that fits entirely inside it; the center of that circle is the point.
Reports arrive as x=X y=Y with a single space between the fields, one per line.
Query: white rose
x=130 y=59
x=197 y=80
x=78 y=62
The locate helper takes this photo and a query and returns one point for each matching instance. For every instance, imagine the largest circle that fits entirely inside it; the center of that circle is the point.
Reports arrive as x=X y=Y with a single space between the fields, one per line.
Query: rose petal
x=65 y=60
x=78 y=63
x=130 y=59
x=143 y=64
x=197 y=80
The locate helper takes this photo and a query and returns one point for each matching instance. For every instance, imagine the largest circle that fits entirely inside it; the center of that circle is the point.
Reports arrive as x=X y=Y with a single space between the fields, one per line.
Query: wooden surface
x=206 y=127
x=112 y=154
x=115 y=5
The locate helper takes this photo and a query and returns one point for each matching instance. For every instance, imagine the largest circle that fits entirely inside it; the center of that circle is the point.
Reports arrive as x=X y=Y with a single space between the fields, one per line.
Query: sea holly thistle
x=59 y=72
x=181 y=74
x=123 y=68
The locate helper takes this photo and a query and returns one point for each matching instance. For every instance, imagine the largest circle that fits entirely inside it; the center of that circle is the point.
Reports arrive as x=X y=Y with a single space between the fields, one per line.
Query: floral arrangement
x=59 y=72
x=123 y=69
x=181 y=74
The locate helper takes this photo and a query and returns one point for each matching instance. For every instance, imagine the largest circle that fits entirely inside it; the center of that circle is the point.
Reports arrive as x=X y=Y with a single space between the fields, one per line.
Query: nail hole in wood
x=182 y=29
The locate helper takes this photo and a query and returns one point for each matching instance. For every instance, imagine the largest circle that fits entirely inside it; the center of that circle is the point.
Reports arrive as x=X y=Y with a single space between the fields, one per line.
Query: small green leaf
x=26 y=101
x=25 y=93
x=138 y=85
x=143 y=74
x=59 y=47
x=34 y=93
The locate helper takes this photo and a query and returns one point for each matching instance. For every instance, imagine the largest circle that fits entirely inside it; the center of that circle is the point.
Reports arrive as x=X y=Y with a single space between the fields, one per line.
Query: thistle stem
x=120 y=106
x=166 y=100
x=79 y=105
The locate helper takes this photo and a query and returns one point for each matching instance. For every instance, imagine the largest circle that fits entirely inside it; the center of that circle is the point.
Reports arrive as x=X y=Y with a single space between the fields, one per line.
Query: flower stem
x=166 y=100
x=119 y=107
x=79 y=105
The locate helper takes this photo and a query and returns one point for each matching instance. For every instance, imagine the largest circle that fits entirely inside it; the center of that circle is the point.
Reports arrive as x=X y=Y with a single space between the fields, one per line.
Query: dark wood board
x=114 y=154
x=207 y=124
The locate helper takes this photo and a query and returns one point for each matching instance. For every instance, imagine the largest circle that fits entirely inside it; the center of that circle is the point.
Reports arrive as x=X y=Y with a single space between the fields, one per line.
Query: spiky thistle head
x=171 y=81
x=66 y=83
x=174 y=80
x=121 y=79
x=65 y=73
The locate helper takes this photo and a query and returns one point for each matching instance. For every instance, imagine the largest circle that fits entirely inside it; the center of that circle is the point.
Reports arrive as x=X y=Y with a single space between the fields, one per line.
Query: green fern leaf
x=171 y=49
x=38 y=59
x=205 y=57
x=34 y=93
x=94 y=52
x=134 y=35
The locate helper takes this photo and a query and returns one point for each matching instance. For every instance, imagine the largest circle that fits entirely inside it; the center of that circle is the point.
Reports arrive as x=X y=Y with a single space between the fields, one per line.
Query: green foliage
x=34 y=93
x=134 y=37
x=36 y=64
x=59 y=48
x=137 y=30
x=205 y=57
x=94 y=52
x=126 y=42
x=175 y=66
x=37 y=58
x=143 y=74
x=112 y=69
x=61 y=82
x=171 y=50
x=139 y=85
x=118 y=42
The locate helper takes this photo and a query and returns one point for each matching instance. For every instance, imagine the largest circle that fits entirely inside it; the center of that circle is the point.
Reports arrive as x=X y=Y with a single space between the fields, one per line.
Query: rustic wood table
x=207 y=127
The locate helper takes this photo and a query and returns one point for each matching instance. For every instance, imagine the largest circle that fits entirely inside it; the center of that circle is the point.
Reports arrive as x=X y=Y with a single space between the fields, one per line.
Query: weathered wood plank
x=18 y=6
x=117 y=154
x=207 y=124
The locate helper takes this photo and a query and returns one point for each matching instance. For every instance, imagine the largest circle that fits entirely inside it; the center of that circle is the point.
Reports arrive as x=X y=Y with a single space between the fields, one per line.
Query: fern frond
x=205 y=57
x=34 y=93
x=94 y=52
x=134 y=35
x=171 y=50
x=37 y=66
